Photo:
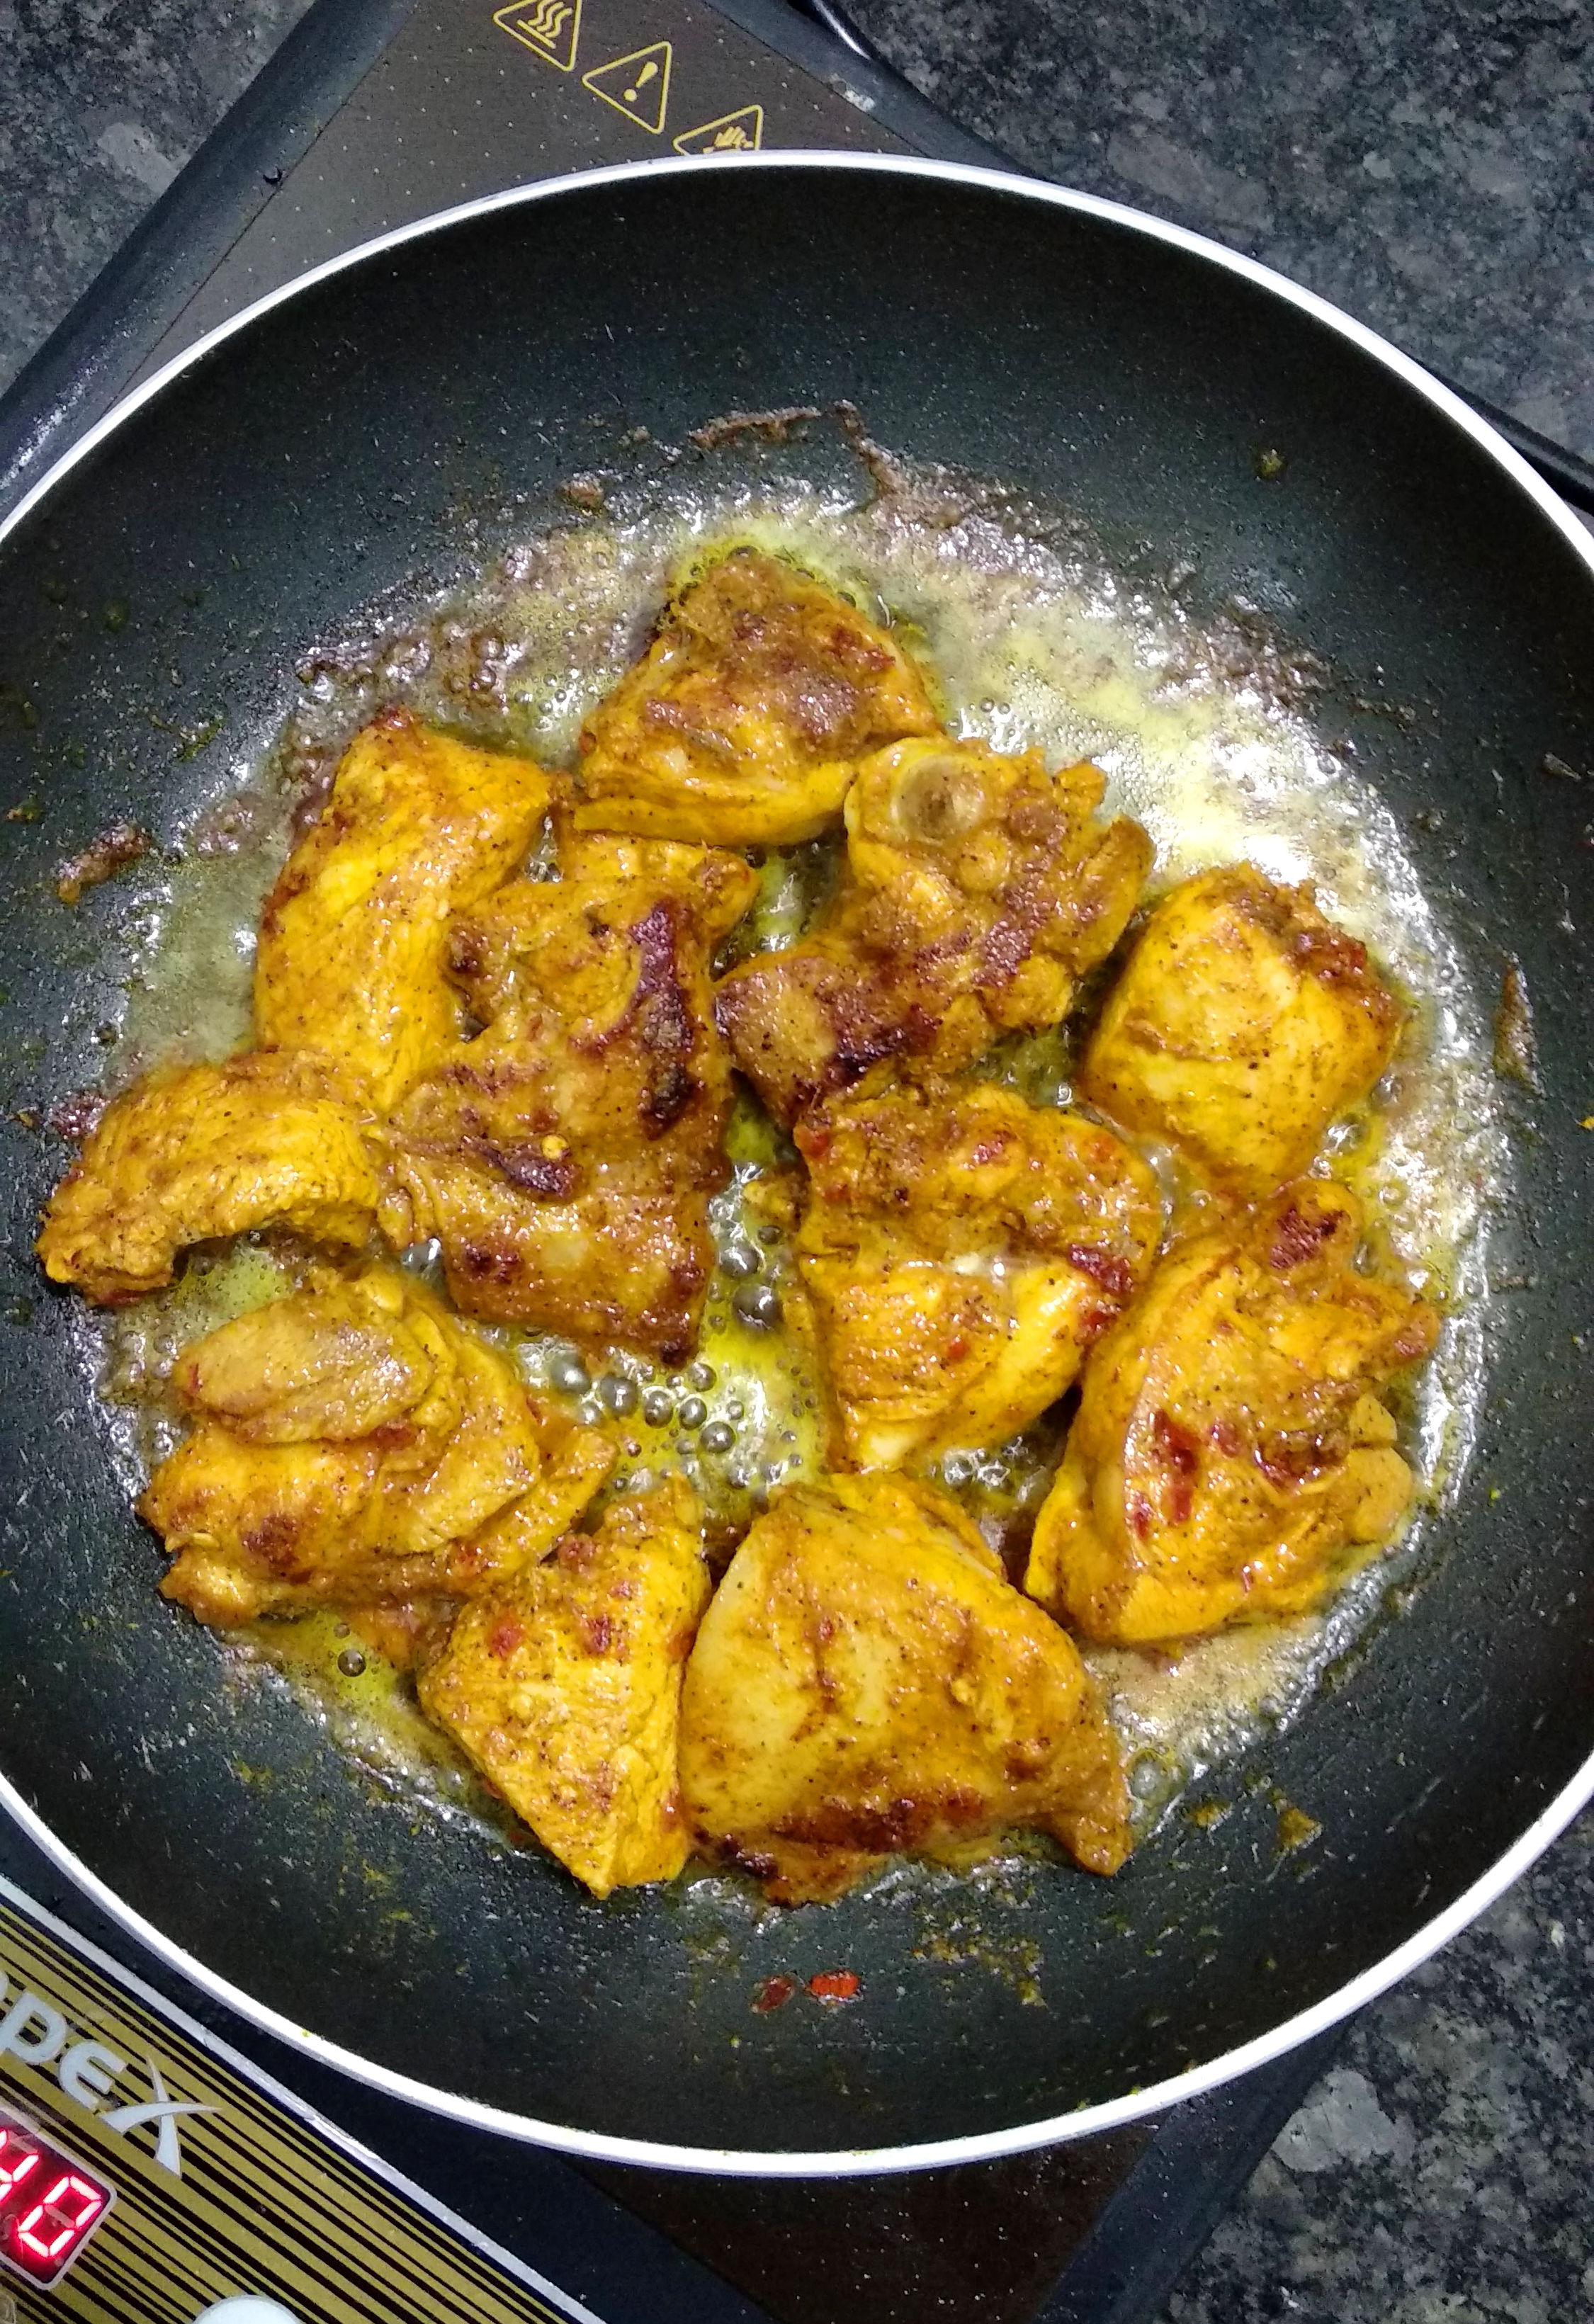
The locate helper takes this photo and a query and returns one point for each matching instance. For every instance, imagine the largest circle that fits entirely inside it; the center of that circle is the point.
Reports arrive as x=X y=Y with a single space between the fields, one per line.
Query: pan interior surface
x=393 y=428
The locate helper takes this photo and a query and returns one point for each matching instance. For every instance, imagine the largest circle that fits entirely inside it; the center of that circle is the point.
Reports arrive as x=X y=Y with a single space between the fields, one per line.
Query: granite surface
x=1428 y=165
x=1431 y=168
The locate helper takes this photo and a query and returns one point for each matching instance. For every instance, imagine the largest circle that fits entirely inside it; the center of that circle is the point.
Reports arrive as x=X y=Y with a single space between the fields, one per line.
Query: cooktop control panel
x=149 y=2174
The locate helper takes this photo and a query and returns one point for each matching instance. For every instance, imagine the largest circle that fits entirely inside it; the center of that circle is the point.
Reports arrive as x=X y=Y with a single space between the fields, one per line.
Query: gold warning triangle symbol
x=550 y=29
x=637 y=86
x=733 y=132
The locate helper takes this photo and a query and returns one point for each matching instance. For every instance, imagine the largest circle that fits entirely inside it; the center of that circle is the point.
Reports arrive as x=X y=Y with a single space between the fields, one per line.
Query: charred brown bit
x=123 y=844
x=774 y=427
x=73 y=1116
x=1515 y=1055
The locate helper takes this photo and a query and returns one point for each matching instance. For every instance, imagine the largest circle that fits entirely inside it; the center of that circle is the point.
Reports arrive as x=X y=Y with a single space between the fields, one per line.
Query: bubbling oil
x=1205 y=736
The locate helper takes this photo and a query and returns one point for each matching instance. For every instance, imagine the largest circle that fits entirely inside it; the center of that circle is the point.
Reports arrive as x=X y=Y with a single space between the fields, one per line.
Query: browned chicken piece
x=566 y=1157
x=564 y=1686
x=741 y=726
x=865 y=1681
x=961 y=1249
x=1229 y=1442
x=191 y=1153
x=977 y=891
x=352 y=1445
x=354 y=934
x=1243 y=1022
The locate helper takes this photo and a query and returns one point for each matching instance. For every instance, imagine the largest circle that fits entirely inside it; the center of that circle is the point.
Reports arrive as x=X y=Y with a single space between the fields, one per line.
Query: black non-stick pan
x=395 y=422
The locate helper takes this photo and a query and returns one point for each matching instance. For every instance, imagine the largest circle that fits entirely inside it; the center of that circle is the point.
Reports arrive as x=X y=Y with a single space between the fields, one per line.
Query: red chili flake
x=1179 y=1455
x=955 y=1350
x=597 y=1633
x=505 y=1637
x=1115 y=1276
x=833 y=1985
x=1298 y=1237
x=773 y=1993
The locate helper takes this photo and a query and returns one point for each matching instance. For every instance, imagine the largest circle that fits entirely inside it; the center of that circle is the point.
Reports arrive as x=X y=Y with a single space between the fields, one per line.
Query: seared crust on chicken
x=961 y=1249
x=977 y=891
x=1228 y=1442
x=1243 y=1022
x=566 y=1155
x=564 y=1686
x=355 y=934
x=355 y=1443
x=741 y=726
x=194 y=1152
x=865 y=1681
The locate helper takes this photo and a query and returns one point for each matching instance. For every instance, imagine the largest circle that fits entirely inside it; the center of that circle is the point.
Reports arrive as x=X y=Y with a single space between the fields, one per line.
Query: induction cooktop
x=160 y=2160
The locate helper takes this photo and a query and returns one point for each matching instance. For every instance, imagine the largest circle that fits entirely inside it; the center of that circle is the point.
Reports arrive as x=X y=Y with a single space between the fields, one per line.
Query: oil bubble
x=569 y=1375
x=758 y=1304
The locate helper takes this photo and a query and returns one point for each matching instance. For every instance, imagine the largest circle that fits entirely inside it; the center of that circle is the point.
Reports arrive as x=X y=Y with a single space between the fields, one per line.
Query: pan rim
x=1086 y=2120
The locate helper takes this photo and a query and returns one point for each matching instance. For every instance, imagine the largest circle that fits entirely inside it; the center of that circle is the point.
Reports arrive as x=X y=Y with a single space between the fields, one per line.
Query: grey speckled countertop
x=1431 y=168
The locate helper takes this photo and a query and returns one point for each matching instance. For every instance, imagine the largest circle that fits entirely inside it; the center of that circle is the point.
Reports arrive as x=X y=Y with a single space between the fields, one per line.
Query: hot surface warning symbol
x=637 y=86
x=733 y=132
x=548 y=28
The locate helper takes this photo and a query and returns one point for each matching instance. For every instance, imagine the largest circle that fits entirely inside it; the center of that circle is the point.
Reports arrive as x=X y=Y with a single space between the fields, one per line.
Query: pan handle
x=840 y=26
x=1565 y=471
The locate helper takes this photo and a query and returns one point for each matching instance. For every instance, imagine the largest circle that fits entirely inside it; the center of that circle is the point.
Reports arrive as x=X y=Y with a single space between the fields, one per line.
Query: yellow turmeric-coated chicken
x=194 y=1152
x=1243 y=1022
x=865 y=1681
x=1229 y=1442
x=977 y=890
x=566 y=1155
x=961 y=1249
x=354 y=933
x=741 y=724
x=354 y=1443
x=564 y=1686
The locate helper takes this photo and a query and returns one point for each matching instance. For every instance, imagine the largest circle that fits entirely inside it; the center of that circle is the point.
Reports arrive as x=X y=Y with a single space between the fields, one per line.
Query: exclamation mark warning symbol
x=637 y=86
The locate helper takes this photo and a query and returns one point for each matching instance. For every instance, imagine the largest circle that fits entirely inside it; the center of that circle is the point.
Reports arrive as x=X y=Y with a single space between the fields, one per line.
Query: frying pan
x=387 y=426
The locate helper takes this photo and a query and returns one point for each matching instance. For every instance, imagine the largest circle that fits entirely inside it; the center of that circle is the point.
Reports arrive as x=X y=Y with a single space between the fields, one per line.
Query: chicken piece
x=356 y=1444
x=1243 y=1022
x=1229 y=1443
x=564 y=1686
x=191 y=1153
x=961 y=1249
x=565 y=1158
x=355 y=934
x=977 y=891
x=741 y=726
x=866 y=1681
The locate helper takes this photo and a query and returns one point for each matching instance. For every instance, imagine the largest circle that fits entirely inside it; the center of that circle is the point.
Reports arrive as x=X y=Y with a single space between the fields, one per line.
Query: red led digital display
x=50 y=2204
